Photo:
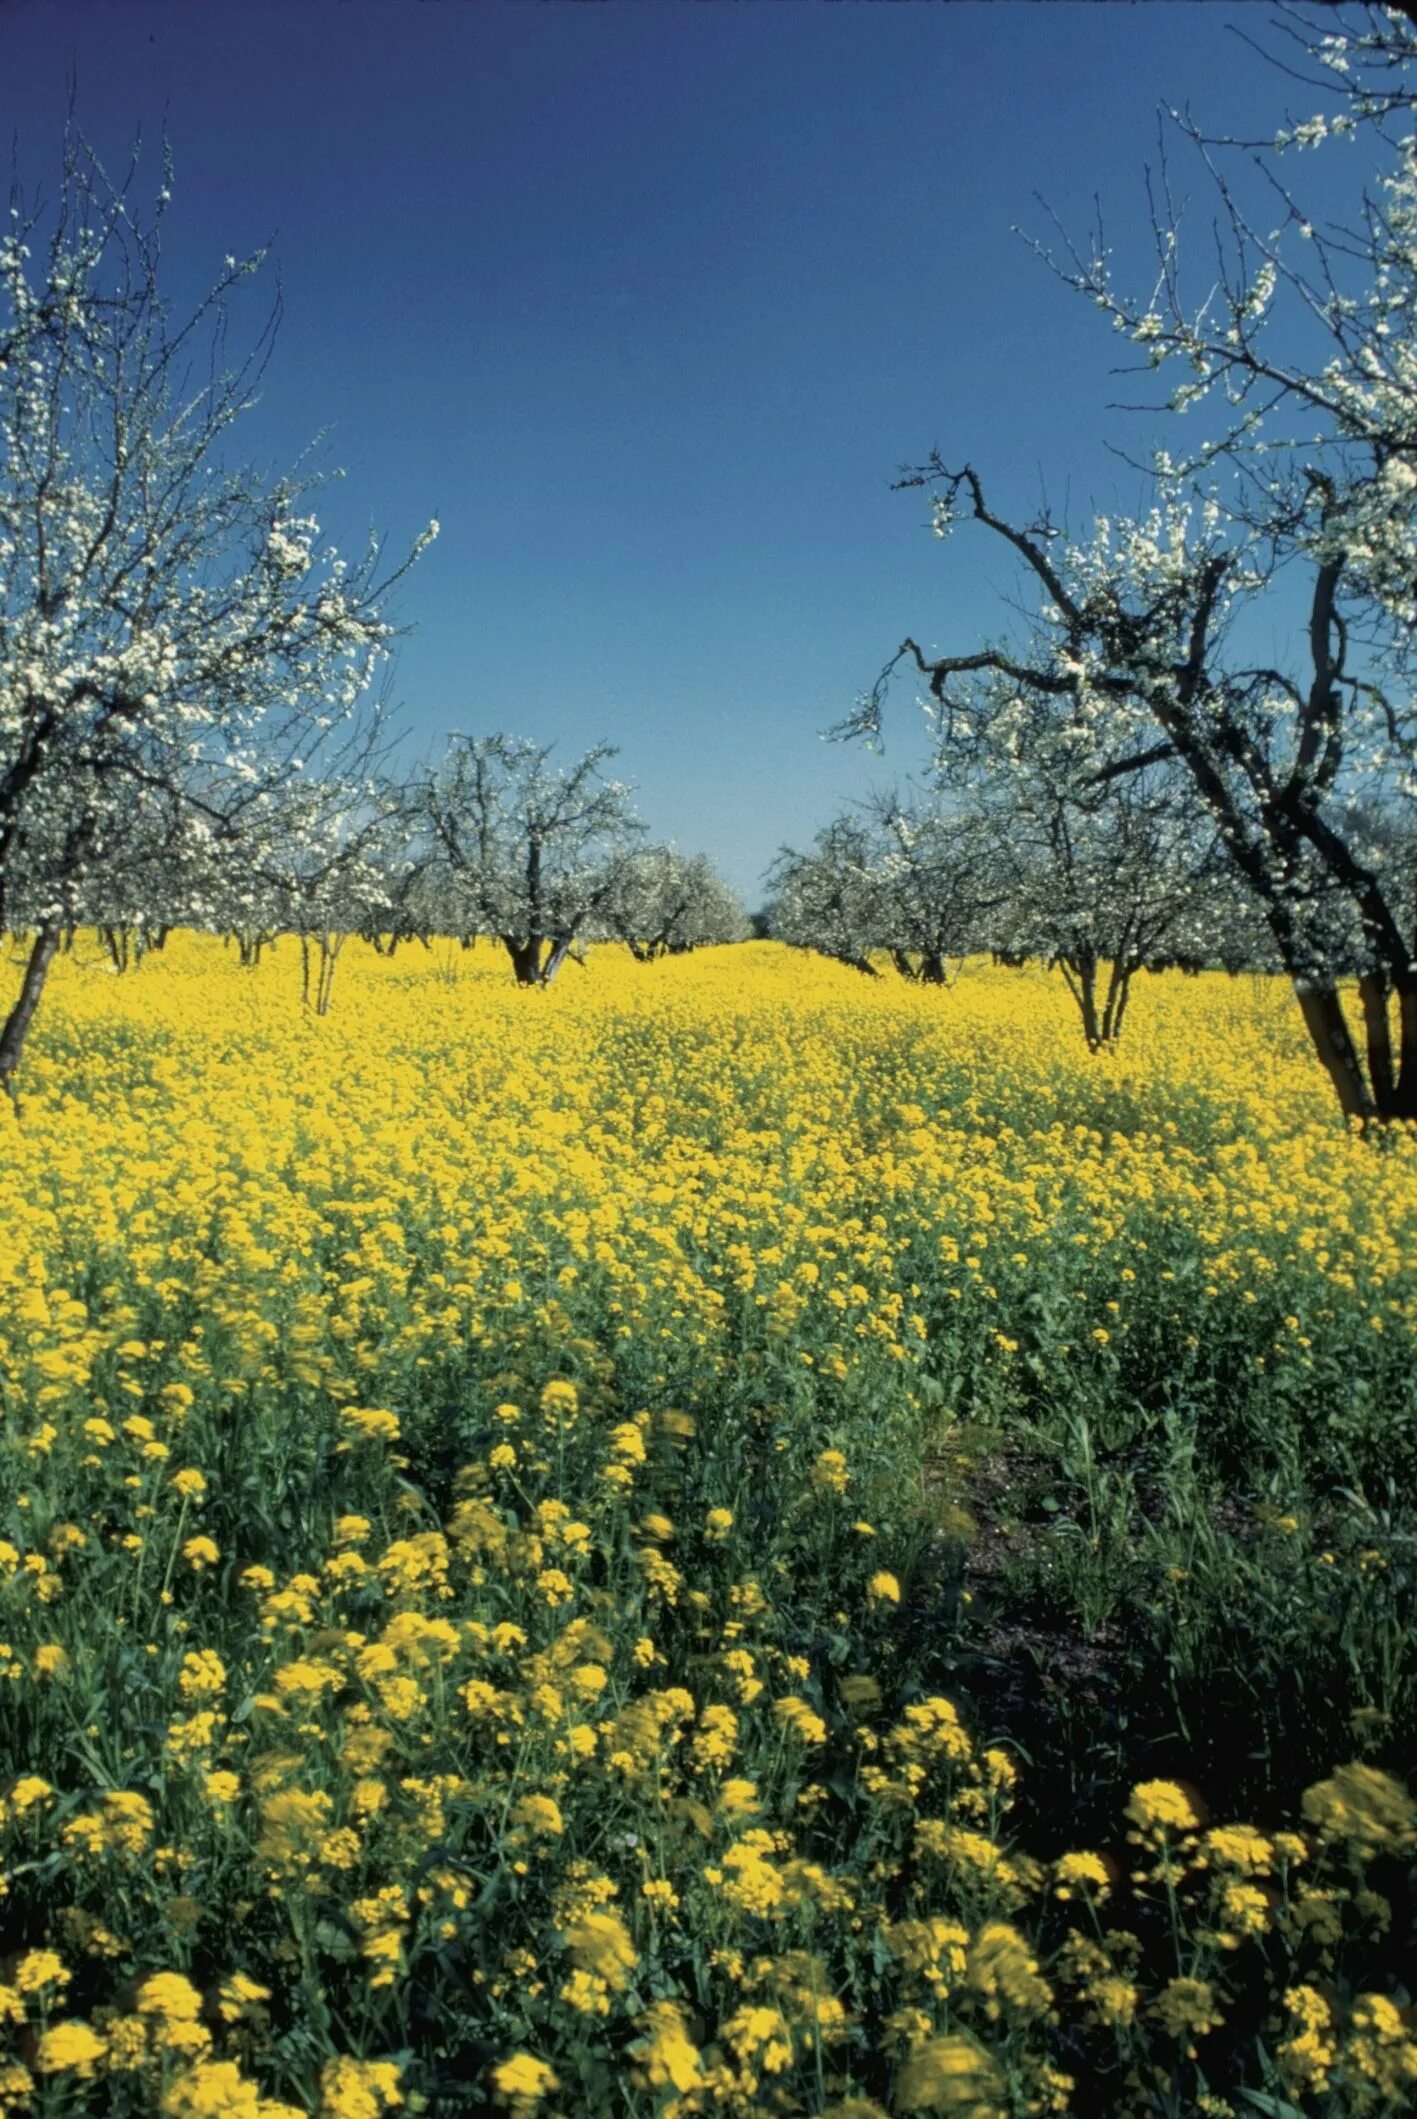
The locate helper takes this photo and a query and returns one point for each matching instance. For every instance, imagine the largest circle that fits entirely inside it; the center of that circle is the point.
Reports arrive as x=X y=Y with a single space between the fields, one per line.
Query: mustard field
x=726 y=1537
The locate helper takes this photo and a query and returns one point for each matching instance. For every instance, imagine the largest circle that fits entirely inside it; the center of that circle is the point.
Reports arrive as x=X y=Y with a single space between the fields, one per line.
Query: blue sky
x=648 y=304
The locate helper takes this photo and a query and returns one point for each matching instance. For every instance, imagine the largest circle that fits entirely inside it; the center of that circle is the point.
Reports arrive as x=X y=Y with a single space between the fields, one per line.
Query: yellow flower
x=670 y=2058
x=761 y=2039
x=883 y=1588
x=190 y=1484
x=39 y=1970
x=538 y=1813
x=599 y=1943
x=805 y=1724
x=202 y=1676
x=1239 y=1847
x=1159 y=1807
x=28 y=1791
x=1245 y=1911
x=829 y=1472
x=948 y=2075
x=523 y=2080
x=200 y=1553
x=1004 y=1971
x=358 y=2089
x=371 y=1423
x=241 y=1997
x=1307 y=2054
x=1088 y=1870
x=1187 y=2010
x=216 y=2089
x=1369 y=1810
x=69 y=2048
x=169 y=1995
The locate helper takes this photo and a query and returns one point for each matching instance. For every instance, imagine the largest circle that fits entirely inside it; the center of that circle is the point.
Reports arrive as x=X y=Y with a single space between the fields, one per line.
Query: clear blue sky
x=648 y=304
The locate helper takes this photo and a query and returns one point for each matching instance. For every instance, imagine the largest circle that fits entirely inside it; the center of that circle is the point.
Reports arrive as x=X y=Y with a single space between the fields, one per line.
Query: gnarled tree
x=1304 y=486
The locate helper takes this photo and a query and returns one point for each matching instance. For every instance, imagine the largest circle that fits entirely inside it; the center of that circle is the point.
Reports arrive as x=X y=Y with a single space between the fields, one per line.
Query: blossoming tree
x=175 y=642
x=830 y=897
x=530 y=852
x=1302 y=358
x=670 y=902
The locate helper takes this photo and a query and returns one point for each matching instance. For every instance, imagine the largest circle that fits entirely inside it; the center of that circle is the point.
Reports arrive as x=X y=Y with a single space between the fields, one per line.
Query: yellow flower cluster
x=459 y=1621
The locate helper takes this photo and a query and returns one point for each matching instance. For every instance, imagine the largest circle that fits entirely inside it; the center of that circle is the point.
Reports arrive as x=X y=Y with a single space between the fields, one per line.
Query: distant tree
x=1102 y=889
x=942 y=881
x=829 y=899
x=535 y=855
x=669 y=902
x=327 y=871
x=174 y=643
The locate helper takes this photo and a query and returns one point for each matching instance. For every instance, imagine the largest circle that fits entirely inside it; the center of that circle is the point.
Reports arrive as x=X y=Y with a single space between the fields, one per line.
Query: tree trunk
x=556 y=959
x=330 y=946
x=1373 y=994
x=1327 y=1026
x=1080 y=974
x=12 y=1037
x=1119 y=1011
x=526 y=958
x=1118 y=987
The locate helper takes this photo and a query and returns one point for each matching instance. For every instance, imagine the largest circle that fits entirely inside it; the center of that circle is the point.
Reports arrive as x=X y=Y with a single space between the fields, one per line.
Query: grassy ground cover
x=727 y=1537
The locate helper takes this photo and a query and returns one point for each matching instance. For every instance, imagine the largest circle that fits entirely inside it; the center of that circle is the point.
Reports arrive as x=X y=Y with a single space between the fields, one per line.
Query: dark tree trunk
x=1119 y=986
x=526 y=958
x=330 y=946
x=1373 y=995
x=1322 y=1010
x=17 y=1023
x=1080 y=973
x=119 y=943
